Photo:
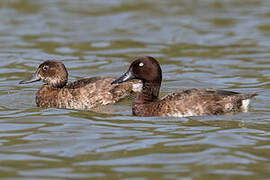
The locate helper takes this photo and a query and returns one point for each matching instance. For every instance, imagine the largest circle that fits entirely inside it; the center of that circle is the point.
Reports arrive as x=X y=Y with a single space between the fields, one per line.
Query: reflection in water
x=218 y=44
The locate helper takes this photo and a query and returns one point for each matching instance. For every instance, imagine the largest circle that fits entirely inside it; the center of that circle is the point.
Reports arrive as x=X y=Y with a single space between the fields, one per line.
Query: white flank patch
x=228 y=106
x=187 y=114
x=137 y=87
x=175 y=115
x=245 y=104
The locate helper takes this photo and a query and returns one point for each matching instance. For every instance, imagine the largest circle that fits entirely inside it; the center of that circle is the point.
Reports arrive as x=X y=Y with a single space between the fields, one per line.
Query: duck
x=182 y=103
x=83 y=94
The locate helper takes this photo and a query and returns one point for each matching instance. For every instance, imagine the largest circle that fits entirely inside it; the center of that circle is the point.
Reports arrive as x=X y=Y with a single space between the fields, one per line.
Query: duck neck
x=57 y=83
x=149 y=93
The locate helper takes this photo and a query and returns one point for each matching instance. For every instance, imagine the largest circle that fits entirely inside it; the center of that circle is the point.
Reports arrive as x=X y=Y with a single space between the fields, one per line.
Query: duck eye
x=45 y=68
x=141 y=64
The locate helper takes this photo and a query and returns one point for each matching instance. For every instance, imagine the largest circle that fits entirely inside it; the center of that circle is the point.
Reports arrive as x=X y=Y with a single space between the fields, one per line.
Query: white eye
x=141 y=64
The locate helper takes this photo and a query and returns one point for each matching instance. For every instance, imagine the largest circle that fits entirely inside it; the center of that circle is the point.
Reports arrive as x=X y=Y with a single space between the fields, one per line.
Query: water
x=216 y=44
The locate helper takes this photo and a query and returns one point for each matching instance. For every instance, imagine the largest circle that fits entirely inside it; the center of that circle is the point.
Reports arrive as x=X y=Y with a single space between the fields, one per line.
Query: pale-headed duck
x=84 y=94
x=190 y=102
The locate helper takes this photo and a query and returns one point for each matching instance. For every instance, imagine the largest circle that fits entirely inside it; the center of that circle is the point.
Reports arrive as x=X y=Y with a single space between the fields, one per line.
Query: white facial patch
x=137 y=87
x=141 y=64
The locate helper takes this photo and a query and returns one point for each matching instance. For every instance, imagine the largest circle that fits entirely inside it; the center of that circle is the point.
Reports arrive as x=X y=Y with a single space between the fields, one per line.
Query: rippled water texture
x=218 y=44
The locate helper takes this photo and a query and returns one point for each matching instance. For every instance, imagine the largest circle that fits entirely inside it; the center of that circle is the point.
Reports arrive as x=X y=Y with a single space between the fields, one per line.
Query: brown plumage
x=84 y=94
x=191 y=102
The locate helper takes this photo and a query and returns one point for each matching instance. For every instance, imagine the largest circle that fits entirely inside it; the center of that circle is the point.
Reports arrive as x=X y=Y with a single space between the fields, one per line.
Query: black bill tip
x=31 y=79
x=125 y=77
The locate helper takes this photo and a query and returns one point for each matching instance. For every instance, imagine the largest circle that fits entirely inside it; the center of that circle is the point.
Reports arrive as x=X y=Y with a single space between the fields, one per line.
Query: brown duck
x=83 y=94
x=191 y=102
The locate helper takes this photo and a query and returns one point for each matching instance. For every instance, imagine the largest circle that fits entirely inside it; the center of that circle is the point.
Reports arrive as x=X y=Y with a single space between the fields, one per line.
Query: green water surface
x=217 y=44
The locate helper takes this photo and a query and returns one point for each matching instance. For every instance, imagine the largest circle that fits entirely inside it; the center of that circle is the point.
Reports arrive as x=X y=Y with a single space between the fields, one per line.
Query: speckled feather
x=84 y=94
x=194 y=102
x=191 y=102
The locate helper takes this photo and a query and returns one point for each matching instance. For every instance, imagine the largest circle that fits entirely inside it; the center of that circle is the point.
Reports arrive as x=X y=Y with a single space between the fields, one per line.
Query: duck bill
x=125 y=77
x=31 y=79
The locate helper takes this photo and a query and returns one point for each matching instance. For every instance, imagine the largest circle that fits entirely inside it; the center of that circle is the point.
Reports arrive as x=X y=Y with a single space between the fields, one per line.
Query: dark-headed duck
x=83 y=94
x=191 y=102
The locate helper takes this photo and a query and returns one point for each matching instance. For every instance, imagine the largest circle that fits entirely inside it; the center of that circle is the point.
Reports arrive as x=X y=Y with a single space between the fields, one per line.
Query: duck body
x=84 y=94
x=190 y=102
x=194 y=102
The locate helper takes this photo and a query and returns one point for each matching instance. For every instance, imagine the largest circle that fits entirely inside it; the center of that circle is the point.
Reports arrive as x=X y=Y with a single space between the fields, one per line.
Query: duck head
x=52 y=72
x=145 y=68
